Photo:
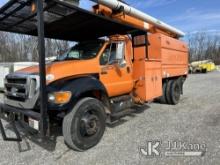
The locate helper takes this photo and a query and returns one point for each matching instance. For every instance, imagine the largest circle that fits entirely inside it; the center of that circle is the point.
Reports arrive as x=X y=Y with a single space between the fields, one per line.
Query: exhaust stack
x=115 y=4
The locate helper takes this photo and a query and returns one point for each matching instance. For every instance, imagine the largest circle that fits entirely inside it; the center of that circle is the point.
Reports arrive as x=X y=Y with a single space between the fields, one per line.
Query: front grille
x=20 y=88
x=17 y=80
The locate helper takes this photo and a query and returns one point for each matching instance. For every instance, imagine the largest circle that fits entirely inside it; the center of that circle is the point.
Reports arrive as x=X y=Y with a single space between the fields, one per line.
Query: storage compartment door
x=158 y=89
x=153 y=80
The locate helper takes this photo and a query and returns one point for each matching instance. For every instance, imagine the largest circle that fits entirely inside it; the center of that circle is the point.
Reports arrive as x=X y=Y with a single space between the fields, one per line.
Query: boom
x=149 y=23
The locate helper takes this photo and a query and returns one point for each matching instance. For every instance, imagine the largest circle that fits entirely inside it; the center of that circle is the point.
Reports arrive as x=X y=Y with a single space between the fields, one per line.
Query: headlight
x=61 y=97
x=50 y=77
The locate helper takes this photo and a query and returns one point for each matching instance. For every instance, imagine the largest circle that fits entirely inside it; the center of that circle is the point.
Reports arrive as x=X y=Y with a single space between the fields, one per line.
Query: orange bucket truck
x=123 y=57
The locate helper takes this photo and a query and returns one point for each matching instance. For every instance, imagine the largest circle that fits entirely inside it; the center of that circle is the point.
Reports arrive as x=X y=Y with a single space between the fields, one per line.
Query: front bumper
x=13 y=114
x=18 y=111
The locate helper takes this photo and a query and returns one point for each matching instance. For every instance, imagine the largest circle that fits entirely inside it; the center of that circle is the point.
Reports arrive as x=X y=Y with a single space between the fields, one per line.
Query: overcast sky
x=188 y=15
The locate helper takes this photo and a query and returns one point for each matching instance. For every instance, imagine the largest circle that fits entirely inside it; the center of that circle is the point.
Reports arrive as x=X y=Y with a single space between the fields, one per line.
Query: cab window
x=114 y=53
x=82 y=51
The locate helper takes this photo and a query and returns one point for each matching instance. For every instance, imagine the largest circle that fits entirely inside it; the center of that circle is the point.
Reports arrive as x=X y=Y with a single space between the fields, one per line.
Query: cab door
x=116 y=71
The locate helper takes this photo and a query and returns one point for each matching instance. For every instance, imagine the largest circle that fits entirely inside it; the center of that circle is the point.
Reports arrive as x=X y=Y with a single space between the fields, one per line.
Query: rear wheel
x=204 y=70
x=168 y=92
x=175 y=92
x=162 y=99
x=84 y=126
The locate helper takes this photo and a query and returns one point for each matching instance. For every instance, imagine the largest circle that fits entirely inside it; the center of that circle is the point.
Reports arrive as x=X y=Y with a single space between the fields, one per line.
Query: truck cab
x=107 y=61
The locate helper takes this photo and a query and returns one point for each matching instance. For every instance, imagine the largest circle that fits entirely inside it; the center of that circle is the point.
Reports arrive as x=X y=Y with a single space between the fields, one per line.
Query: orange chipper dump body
x=166 y=58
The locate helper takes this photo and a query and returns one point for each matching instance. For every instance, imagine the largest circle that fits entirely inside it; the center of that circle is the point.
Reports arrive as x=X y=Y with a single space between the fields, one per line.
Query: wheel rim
x=89 y=124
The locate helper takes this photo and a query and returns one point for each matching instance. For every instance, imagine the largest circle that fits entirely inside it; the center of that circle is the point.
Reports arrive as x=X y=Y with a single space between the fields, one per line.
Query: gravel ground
x=195 y=120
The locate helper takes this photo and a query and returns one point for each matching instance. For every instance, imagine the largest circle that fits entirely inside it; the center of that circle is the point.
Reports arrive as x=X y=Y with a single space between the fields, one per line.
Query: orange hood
x=63 y=69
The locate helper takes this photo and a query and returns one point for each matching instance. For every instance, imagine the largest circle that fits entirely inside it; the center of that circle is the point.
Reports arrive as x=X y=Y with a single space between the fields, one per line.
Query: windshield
x=82 y=51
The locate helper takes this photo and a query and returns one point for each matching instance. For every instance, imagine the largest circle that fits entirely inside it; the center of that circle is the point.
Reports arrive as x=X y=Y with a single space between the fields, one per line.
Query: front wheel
x=84 y=126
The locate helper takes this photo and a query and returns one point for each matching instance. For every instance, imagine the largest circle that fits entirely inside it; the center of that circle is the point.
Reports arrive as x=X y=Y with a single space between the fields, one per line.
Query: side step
x=116 y=116
x=121 y=107
x=5 y=138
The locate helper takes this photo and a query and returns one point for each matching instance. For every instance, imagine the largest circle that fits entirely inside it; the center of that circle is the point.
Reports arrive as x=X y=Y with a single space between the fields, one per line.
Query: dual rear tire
x=172 y=90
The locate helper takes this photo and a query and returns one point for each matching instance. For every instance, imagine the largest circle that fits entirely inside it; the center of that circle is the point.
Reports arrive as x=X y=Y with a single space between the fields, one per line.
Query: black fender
x=78 y=87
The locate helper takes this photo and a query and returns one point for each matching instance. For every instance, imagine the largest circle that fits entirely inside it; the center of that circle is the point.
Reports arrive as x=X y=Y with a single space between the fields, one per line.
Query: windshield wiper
x=67 y=59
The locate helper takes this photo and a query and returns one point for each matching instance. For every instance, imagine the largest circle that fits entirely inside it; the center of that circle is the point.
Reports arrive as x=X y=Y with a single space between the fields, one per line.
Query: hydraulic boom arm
x=135 y=17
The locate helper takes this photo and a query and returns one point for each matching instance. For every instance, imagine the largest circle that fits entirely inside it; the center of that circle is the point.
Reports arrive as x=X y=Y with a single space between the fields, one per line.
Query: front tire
x=84 y=126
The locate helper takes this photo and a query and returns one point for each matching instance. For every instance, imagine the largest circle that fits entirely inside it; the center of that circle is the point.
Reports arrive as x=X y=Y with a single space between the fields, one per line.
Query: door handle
x=110 y=67
x=128 y=70
x=104 y=72
x=105 y=69
x=152 y=79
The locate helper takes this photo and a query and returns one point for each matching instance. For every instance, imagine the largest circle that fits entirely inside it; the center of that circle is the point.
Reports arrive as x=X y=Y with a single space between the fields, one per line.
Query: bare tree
x=15 y=47
x=203 y=46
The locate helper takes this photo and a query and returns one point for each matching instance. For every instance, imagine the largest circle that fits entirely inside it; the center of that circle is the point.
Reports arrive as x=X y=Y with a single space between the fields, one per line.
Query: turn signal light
x=33 y=7
x=60 y=97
